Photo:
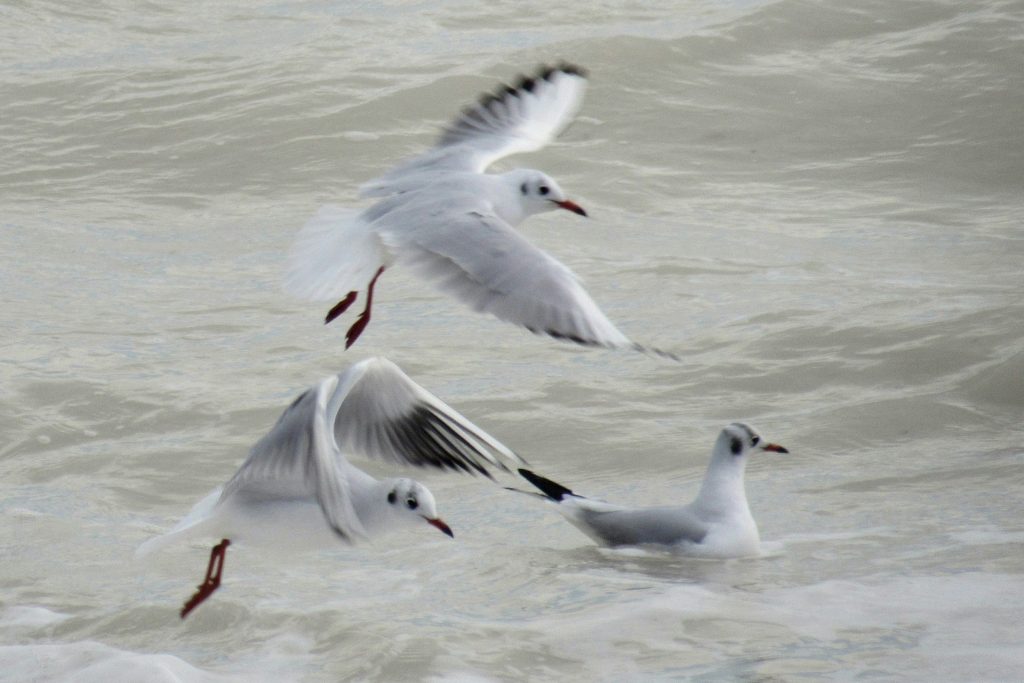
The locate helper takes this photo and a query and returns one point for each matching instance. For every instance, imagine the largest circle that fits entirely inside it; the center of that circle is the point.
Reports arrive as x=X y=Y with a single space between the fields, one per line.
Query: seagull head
x=413 y=504
x=538 y=192
x=737 y=440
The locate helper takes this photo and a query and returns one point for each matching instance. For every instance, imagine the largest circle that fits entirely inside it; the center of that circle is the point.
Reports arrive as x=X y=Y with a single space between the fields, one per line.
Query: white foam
x=92 y=662
x=18 y=618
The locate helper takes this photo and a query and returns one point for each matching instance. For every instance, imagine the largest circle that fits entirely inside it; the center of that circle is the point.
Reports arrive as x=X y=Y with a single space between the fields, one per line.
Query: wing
x=664 y=526
x=385 y=415
x=514 y=119
x=615 y=525
x=299 y=458
x=373 y=409
x=483 y=262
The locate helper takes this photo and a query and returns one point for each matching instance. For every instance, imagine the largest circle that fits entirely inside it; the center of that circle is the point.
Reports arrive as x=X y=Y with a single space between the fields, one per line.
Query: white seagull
x=454 y=225
x=717 y=524
x=297 y=488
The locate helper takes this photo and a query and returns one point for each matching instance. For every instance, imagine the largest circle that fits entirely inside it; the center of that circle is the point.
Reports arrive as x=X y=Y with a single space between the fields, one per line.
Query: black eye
x=392 y=497
x=754 y=439
x=543 y=189
x=736 y=446
x=523 y=188
x=411 y=502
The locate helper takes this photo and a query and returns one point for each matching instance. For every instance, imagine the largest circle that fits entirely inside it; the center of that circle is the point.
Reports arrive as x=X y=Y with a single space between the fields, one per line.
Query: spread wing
x=388 y=416
x=520 y=118
x=479 y=259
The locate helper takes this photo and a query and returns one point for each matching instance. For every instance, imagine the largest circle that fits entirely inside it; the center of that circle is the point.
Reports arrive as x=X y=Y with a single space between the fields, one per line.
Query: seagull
x=297 y=488
x=717 y=524
x=454 y=225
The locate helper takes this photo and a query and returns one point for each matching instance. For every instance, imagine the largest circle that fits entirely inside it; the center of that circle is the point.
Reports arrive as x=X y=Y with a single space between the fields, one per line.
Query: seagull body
x=296 y=489
x=454 y=225
x=718 y=523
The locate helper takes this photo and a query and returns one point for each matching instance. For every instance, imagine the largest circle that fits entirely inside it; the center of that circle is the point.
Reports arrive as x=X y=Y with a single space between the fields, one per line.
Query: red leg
x=364 y=318
x=340 y=307
x=212 y=580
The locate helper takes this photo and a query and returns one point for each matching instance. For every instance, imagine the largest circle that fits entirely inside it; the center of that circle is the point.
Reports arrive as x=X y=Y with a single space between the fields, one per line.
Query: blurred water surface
x=817 y=205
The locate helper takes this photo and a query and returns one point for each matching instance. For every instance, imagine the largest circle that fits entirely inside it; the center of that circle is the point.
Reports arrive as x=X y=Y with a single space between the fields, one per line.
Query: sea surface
x=819 y=206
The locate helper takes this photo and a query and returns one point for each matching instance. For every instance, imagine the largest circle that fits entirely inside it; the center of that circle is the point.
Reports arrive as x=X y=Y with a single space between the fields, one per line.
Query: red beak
x=439 y=523
x=572 y=206
x=774 y=447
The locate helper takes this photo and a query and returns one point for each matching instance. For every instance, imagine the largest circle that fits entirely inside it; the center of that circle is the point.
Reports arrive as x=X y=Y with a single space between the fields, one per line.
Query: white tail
x=190 y=526
x=335 y=253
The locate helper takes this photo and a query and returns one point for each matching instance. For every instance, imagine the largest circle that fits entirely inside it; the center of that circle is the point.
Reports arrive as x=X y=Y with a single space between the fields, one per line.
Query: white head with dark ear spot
x=538 y=192
x=738 y=440
x=413 y=504
x=722 y=488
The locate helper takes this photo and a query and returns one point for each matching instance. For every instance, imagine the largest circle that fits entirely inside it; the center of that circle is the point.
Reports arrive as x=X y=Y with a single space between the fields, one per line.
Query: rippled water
x=818 y=205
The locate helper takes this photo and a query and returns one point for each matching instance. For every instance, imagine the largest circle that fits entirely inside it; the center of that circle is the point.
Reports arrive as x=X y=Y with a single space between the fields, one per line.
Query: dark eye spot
x=754 y=439
x=392 y=497
x=736 y=446
x=543 y=189
x=523 y=188
x=411 y=502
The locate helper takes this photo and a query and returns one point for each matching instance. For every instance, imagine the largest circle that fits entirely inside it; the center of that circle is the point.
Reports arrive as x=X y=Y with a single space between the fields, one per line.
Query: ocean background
x=817 y=205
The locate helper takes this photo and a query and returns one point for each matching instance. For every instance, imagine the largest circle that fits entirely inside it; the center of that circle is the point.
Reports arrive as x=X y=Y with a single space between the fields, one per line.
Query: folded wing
x=662 y=526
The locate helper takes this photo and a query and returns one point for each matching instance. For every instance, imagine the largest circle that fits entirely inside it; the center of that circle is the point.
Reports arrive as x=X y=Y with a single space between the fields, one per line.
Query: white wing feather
x=482 y=261
x=298 y=458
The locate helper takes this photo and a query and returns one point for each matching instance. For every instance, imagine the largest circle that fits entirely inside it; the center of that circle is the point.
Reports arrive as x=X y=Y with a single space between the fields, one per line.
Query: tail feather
x=532 y=494
x=192 y=525
x=551 y=489
x=334 y=254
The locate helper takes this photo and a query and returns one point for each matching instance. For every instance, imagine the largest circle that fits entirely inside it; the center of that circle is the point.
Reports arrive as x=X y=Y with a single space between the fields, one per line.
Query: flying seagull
x=443 y=217
x=297 y=486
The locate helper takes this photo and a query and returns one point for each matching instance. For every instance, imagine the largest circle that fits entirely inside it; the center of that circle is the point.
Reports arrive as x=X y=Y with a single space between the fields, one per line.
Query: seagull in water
x=717 y=524
x=454 y=225
x=298 y=489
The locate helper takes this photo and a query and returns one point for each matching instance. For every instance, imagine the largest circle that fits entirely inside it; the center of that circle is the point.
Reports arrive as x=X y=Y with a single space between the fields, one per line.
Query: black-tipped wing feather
x=537 y=109
x=386 y=415
x=551 y=489
x=615 y=525
x=512 y=120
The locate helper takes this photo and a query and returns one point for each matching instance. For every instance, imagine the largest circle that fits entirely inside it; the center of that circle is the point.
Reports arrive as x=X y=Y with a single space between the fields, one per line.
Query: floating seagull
x=717 y=524
x=296 y=487
x=454 y=225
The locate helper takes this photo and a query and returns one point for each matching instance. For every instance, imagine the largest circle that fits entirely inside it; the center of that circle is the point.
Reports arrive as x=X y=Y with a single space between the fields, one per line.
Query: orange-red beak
x=439 y=523
x=774 y=447
x=572 y=206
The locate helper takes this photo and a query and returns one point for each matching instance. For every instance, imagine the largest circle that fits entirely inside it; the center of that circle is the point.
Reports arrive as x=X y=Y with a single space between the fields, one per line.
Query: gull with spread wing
x=454 y=225
x=716 y=524
x=296 y=487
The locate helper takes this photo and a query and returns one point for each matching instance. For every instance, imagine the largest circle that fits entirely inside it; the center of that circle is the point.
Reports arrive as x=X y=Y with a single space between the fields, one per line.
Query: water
x=817 y=205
